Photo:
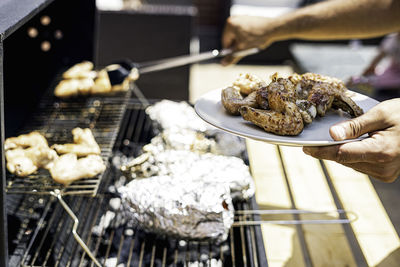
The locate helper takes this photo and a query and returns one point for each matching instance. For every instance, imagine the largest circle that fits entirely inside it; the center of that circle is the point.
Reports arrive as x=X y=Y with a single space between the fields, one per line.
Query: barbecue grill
x=45 y=224
x=41 y=221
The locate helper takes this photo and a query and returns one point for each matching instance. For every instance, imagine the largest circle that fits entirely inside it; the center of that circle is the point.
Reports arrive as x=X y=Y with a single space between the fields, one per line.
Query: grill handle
x=58 y=195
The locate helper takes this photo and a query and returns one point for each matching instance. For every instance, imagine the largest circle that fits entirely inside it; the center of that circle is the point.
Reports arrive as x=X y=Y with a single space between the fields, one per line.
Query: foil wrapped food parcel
x=195 y=167
x=170 y=115
x=181 y=128
x=174 y=207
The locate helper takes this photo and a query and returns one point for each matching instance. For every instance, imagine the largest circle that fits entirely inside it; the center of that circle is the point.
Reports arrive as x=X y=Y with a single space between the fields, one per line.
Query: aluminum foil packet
x=181 y=128
x=172 y=115
x=195 y=167
x=178 y=208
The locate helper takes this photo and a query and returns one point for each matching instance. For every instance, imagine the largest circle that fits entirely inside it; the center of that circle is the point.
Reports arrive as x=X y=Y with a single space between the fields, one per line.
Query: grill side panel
x=3 y=211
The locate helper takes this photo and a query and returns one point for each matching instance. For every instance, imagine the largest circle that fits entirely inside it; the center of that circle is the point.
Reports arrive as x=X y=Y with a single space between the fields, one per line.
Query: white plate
x=210 y=109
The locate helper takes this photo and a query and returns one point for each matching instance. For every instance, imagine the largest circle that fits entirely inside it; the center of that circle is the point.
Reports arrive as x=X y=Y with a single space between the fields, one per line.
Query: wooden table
x=286 y=178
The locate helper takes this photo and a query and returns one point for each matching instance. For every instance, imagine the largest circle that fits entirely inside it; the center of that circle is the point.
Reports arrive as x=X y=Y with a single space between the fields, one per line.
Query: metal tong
x=120 y=71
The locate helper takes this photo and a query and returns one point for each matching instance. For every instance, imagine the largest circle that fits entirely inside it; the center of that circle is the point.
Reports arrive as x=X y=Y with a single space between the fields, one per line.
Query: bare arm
x=342 y=19
x=334 y=19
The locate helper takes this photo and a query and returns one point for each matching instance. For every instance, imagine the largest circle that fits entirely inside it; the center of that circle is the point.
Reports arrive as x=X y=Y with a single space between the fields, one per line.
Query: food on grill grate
x=183 y=148
x=80 y=71
x=28 y=152
x=170 y=115
x=185 y=139
x=23 y=162
x=25 y=140
x=68 y=168
x=84 y=144
x=73 y=87
x=286 y=105
x=81 y=79
x=207 y=168
x=181 y=128
x=171 y=207
x=180 y=189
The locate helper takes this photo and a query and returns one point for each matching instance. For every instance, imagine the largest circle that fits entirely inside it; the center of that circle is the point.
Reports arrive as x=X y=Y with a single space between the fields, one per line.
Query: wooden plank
x=281 y=241
x=374 y=231
x=327 y=244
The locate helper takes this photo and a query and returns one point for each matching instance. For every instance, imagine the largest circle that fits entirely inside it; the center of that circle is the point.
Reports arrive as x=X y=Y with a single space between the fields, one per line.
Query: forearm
x=339 y=19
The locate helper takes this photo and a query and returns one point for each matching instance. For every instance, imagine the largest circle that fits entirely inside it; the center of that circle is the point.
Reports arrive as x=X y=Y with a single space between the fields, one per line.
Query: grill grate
x=53 y=244
x=55 y=120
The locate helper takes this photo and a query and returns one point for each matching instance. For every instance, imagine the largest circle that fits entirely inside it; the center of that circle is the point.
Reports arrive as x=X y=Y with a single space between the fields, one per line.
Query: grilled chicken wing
x=262 y=98
x=307 y=110
x=272 y=121
x=347 y=104
x=284 y=117
x=23 y=162
x=80 y=71
x=25 y=140
x=28 y=152
x=74 y=87
x=321 y=95
x=102 y=83
x=84 y=144
x=232 y=100
x=326 y=92
x=68 y=168
x=82 y=80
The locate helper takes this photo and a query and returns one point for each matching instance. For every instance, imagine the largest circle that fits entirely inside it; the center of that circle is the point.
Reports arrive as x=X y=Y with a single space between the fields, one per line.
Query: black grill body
x=38 y=39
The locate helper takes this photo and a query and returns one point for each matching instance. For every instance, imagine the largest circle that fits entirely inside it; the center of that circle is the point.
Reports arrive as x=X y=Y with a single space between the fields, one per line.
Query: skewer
x=243 y=213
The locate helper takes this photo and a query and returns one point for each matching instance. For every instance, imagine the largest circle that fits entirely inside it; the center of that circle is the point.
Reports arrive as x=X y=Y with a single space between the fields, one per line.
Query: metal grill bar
x=42 y=241
x=90 y=232
x=83 y=229
x=244 y=219
x=56 y=238
x=130 y=252
x=232 y=239
x=244 y=252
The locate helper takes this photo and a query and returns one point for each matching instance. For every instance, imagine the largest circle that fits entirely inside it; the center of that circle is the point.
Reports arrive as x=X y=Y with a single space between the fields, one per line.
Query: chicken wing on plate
x=241 y=93
x=286 y=105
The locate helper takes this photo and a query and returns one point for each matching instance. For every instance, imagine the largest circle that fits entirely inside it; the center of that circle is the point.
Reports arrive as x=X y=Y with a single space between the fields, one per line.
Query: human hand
x=245 y=32
x=379 y=154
